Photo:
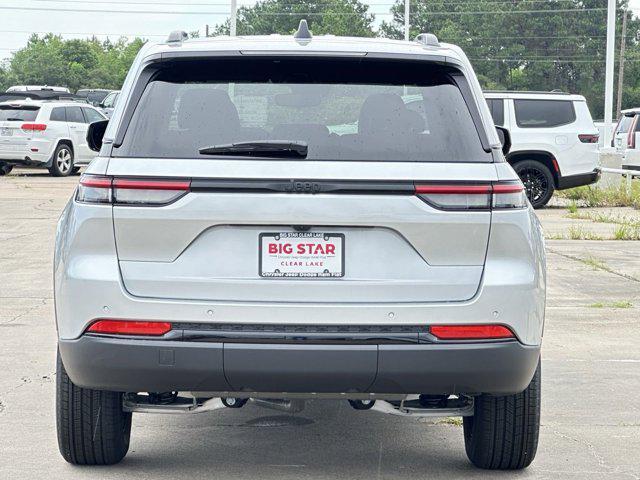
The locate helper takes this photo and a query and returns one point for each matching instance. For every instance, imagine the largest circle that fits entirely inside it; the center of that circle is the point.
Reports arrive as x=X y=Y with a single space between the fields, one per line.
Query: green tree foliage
x=526 y=45
x=333 y=17
x=51 y=60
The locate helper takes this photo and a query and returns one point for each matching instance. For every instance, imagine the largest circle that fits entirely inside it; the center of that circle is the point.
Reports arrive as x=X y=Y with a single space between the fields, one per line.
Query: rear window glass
x=352 y=110
x=17 y=114
x=496 y=107
x=92 y=115
x=543 y=113
x=58 y=115
x=74 y=115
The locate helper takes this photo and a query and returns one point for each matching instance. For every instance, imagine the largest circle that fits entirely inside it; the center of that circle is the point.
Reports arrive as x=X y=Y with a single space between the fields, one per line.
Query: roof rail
x=177 y=37
x=427 y=39
x=545 y=92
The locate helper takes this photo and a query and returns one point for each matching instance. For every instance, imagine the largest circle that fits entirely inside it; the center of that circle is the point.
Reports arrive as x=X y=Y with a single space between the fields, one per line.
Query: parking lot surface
x=591 y=382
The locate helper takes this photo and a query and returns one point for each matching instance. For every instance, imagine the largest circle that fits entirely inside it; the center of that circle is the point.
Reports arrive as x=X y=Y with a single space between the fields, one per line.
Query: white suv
x=554 y=141
x=47 y=134
x=227 y=245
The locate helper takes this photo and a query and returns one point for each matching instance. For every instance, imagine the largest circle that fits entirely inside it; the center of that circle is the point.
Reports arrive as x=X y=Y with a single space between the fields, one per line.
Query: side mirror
x=505 y=139
x=95 y=132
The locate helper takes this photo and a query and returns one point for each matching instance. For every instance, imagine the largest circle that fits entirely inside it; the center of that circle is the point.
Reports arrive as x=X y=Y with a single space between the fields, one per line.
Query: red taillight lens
x=129 y=191
x=631 y=135
x=34 y=127
x=94 y=189
x=131 y=184
x=129 y=327
x=470 y=332
x=473 y=197
x=589 y=138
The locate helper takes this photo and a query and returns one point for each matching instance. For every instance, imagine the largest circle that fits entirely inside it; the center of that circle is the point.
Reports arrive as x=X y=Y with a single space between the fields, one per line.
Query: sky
x=151 y=19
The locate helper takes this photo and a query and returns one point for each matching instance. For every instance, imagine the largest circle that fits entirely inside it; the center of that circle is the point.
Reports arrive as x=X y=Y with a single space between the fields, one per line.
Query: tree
x=336 y=17
x=526 y=45
x=89 y=63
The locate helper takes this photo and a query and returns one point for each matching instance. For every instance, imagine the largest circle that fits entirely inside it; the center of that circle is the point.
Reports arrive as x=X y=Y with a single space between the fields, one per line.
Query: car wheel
x=62 y=164
x=92 y=427
x=5 y=169
x=537 y=180
x=503 y=432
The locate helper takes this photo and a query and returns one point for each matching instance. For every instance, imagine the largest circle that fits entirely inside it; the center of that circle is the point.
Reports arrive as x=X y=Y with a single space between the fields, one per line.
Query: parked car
x=45 y=134
x=626 y=138
x=554 y=140
x=109 y=103
x=37 y=88
x=39 y=95
x=228 y=247
x=94 y=96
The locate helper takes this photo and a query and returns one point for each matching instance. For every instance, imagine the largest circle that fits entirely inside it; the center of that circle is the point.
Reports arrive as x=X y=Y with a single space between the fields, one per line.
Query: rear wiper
x=14 y=120
x=262 y=148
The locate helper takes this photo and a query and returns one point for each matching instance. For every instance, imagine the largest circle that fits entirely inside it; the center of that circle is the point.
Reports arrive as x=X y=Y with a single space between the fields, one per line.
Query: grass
x=618 y=304
x=579 y=233
x=627 y=232
x=603 y=217
x=573 y=207
x=614 y=196
x=595 y=263
x=455 y=421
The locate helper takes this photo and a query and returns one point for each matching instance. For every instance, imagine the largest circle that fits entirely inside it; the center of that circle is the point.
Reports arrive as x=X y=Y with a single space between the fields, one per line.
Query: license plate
x=301 y=254
x=6 y=132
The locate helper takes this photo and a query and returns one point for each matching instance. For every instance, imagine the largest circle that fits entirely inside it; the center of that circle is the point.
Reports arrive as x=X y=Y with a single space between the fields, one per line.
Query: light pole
x=608 y=80
x=406 y=19
x=234 y=19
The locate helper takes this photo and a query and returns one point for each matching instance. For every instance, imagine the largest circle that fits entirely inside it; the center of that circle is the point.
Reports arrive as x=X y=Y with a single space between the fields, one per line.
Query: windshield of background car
x=344 y=109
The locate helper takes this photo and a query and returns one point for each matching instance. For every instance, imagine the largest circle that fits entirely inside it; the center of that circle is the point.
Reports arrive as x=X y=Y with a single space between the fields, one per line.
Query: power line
x=86 y=33
x=309 y=14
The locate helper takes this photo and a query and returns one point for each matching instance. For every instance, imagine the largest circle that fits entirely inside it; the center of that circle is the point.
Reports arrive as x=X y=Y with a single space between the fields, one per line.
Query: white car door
x=78 y=132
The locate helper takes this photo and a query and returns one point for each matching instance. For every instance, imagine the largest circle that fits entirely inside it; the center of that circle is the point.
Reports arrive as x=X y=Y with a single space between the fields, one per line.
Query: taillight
x=130 y=191
x=94 y=189
x=473 y=197
x=34 y=127
x=129 y=327
x=589 y=138
x=470 y=332
x=631 y=135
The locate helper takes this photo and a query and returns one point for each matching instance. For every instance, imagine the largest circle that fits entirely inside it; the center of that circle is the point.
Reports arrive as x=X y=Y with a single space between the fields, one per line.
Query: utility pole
x=406 y=18
x=608 y=80
x=234 y=19
x=623 y=42
x=206 y=30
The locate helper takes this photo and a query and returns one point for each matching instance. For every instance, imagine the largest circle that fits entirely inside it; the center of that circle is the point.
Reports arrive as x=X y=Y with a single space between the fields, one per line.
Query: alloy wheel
x=63 y=160
x=535 y=183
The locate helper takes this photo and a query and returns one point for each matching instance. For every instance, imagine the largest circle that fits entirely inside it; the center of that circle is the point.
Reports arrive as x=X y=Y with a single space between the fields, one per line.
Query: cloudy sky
x=152 y=19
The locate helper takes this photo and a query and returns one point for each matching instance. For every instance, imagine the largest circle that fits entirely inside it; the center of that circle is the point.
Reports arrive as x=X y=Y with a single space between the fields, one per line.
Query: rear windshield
x=352 y=110
x=543 y=113
x=18 y=114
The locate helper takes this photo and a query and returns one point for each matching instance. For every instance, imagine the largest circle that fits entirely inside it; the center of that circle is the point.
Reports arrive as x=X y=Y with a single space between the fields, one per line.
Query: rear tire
x=538 y=181
x=62 y=164
x=503 y=432
x=5 y=169
x=92 y=428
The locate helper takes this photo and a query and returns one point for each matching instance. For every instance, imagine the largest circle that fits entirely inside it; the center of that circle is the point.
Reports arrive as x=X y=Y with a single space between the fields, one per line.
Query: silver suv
x=233 y=241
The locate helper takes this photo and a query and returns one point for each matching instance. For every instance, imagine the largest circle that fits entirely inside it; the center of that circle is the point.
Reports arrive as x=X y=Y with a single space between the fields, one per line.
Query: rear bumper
x=572 y=181
x=141 y=365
